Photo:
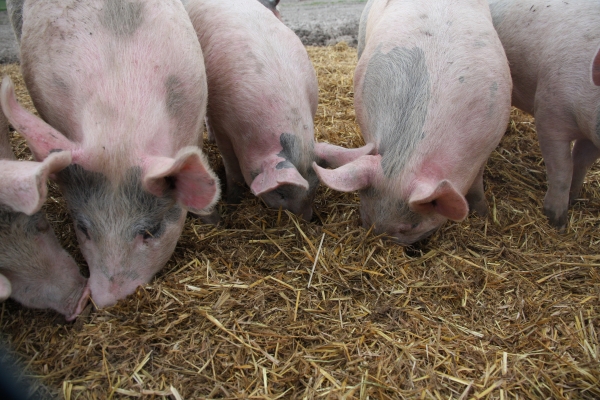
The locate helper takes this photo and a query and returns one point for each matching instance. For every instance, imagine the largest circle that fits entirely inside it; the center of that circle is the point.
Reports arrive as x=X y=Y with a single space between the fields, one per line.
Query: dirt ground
x=316 y=22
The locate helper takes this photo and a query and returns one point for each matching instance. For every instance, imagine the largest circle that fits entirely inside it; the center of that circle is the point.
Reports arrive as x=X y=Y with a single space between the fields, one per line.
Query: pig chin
x=404 y=229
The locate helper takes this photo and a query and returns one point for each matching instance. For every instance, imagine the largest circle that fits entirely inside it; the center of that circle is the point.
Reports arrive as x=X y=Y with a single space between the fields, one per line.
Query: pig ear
x=41 y=137
x=271 y=178
x=441 y=198
x=5 y=288
x=188 y=175
x=596 y=69
x=336 y=156
x=23 y=183
x=356 y=175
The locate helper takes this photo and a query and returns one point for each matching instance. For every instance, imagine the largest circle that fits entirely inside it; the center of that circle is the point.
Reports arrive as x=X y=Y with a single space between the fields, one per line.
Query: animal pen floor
x=497 y=307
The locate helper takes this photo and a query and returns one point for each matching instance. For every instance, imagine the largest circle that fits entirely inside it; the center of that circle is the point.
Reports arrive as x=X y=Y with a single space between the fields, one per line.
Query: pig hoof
x=557 y=220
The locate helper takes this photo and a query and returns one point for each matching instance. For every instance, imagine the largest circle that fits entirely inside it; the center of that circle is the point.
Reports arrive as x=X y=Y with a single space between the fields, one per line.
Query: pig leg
x=476 y=196
x=584 y=154
x=554 y=136
x=233 y=172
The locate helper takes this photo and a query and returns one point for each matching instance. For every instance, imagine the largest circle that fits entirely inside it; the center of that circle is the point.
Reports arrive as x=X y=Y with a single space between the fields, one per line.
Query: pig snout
x=81 y=303
x=106 y=291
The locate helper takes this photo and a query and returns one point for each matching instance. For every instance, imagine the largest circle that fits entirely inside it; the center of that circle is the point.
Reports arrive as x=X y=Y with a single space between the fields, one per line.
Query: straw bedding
x=497 y=307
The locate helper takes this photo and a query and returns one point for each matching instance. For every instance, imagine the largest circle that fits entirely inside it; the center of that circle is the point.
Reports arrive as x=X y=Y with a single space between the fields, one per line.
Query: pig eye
x=152 y=232
x=83 y=230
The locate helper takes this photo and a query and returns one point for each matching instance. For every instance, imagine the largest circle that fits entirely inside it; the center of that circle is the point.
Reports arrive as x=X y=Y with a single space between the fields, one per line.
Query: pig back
x=264 y=78
x=432 y=86
x=550 y=45
x=91 y=66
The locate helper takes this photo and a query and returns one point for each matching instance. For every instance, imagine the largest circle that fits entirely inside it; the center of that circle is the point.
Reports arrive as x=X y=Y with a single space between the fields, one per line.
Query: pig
x=432 y=94
x=122 y=86
x=263 y=94
x=550 y=45
x=34 y=269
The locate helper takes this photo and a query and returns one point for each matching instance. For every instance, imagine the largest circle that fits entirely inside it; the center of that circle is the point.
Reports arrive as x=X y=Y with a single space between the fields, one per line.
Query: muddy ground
x=316 y=22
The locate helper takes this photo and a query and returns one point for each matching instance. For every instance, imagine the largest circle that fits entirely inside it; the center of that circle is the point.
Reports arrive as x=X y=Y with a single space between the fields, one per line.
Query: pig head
x=34 y=269
x=432 y=96
x=122 y=86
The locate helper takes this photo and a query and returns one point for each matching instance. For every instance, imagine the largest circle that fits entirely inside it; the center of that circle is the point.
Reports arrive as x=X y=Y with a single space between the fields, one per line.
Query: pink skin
x=468 y=105
x=263 y=97
x=130 y=113
x=550 y=52
x=34 y=269
x=50 y=279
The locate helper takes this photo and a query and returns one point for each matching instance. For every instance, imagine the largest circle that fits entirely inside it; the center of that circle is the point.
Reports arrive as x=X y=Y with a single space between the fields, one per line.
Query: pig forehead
x=396 y=94
x=102 y=202
x=296 y=150
x=122 y=17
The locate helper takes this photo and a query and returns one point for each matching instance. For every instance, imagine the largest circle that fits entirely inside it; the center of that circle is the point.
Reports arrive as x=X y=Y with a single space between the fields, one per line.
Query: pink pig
x=122 y=86
x=550 y=45
x=432 y=93
x=34 y=269
x=263 y=94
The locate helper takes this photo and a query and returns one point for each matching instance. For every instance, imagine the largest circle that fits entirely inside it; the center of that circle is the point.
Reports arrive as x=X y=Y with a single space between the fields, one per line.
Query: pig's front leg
x=476 y=195
x=233 y=172
x=584 y=154
x=556 y=150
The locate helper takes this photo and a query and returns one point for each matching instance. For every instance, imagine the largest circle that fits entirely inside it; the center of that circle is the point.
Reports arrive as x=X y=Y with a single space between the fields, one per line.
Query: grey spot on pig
x=396 y=94
x=122 y=17
x=384 y=211
x=176 y=99
x=291 y=148
x=93 y=202
x=285 y=164
x=362 y=27
x=15 y=13
x=299 y=157
x=461 y=79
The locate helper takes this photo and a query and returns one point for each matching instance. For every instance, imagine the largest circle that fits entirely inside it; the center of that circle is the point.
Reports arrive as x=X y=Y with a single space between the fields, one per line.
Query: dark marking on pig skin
x=388 y=209
x=127 y=210
x=362 y=28
x=15 y=13
x=461 y=79
x=396 y=95
x=122 y=17
x=176 y=99
x=299 y=157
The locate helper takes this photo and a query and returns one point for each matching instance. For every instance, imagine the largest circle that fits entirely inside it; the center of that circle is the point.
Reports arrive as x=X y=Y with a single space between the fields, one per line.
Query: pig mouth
x=83 y=300
x=403 y=242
